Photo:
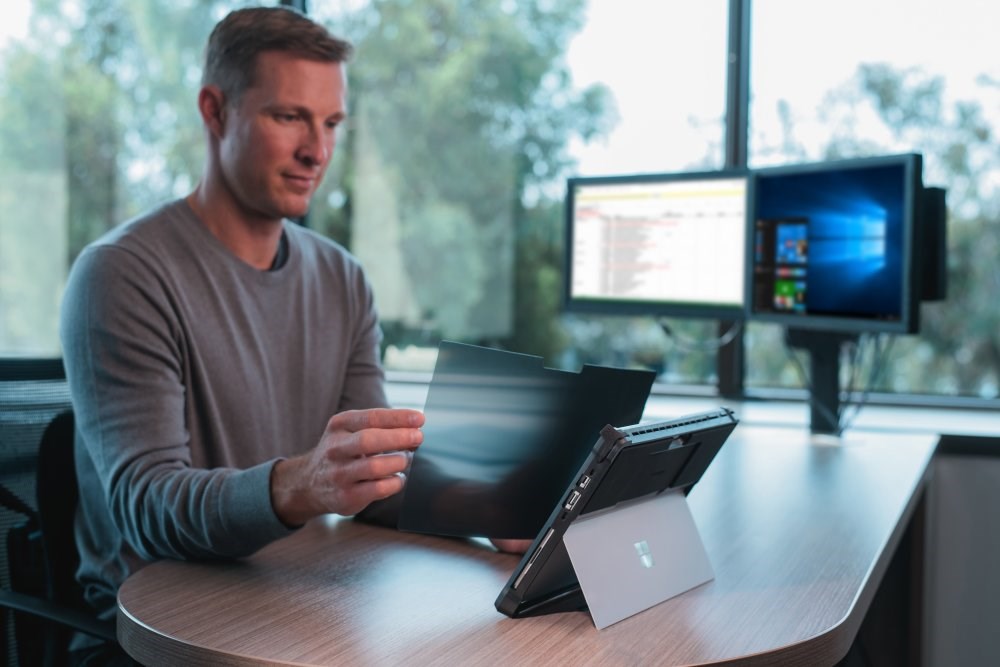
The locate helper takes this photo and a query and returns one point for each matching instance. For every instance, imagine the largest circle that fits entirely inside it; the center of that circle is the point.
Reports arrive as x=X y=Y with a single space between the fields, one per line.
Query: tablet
x=625 y=465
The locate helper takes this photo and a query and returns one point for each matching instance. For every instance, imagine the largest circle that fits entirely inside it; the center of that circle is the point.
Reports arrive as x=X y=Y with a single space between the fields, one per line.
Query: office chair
x=41 y=605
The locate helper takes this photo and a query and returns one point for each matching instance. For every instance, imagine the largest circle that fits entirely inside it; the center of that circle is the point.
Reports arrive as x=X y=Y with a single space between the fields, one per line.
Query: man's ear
x=212 y=106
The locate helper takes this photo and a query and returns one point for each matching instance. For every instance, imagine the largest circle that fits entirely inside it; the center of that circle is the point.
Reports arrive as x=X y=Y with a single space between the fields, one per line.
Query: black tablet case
x=625 y=464
x=503 y=437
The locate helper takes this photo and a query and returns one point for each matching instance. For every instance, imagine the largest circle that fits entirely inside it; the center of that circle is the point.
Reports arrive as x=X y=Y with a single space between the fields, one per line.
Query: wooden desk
x=799 y=535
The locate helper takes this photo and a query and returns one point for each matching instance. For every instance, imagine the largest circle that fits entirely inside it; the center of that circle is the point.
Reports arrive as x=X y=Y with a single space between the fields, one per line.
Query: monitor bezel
x=909 y=320
x=655 y=308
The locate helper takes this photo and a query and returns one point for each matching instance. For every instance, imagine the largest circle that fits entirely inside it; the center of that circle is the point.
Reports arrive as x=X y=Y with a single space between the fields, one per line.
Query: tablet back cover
x=625 y=466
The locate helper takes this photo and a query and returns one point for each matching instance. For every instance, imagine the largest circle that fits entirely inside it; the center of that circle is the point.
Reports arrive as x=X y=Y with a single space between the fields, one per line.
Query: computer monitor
x=670 y=245
x=834 y=245
x=833 y=254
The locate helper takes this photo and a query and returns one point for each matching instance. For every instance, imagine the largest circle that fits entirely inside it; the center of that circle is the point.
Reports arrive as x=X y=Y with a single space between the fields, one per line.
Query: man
x=223 y=362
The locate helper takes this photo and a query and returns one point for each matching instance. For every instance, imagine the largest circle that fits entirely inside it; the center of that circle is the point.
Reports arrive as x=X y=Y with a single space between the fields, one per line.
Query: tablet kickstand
x=635 y=556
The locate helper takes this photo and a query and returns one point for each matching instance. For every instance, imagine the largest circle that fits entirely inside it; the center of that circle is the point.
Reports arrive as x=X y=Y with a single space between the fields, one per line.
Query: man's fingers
x=363 y=494
x=370 y=468
x=367 y=432
x=377 y=489
x=363 y=455
x=511 y=546
x=359 y=420
x=372 y=442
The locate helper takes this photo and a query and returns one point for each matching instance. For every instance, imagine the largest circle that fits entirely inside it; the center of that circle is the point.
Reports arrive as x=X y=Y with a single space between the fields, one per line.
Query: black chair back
x=41 y=602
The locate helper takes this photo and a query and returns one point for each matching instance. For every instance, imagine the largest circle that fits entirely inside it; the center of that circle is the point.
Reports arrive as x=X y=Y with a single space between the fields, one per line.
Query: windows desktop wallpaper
x=844 y=230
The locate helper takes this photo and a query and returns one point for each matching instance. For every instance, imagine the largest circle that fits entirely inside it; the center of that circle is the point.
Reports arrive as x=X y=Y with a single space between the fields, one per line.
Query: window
x=465 y=124
x=466 y=119
x=840 y=85
x=97 y=123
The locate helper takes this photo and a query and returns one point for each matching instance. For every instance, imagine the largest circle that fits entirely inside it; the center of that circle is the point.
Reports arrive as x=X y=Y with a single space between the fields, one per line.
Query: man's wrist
x=289 y=499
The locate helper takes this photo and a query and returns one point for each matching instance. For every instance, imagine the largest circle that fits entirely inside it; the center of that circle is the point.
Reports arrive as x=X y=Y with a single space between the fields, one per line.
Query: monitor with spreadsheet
x=670 y=244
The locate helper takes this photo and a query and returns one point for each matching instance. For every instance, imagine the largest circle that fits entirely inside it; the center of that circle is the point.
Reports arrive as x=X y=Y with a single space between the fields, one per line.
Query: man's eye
x=286 y=117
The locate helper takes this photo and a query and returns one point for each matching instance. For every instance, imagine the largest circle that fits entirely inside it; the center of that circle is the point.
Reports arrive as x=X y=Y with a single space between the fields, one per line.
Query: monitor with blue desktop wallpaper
x=833 y=245
x=657 y=244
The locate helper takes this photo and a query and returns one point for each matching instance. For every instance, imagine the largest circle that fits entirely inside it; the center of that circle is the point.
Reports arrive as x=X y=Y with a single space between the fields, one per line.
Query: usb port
x=573 y=497
x=584 y=481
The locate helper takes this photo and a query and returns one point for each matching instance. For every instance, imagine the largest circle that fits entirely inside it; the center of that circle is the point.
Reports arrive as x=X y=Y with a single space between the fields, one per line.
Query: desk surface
x=799 y=536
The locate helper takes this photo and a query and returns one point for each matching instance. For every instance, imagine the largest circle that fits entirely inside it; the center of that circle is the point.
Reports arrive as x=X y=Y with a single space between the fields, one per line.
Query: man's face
x=279 y=137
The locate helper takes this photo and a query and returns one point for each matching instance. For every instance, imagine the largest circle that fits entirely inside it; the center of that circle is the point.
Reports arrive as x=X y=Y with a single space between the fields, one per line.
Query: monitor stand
x=824 y=376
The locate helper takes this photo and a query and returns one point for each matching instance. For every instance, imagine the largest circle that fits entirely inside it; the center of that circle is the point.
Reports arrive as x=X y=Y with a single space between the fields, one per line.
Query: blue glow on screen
x=854 y=221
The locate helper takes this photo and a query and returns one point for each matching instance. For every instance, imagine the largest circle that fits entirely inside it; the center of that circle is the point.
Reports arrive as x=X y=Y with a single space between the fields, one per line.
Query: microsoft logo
x=642 y=549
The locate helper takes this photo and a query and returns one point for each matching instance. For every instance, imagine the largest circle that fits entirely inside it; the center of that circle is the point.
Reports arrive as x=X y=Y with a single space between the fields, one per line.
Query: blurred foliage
x=464 y=109
x=885 y=109
x=97 y=92
x=462 y=114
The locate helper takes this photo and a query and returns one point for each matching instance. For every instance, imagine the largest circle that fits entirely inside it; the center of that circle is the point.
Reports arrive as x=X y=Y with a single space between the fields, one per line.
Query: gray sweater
x=191 y=374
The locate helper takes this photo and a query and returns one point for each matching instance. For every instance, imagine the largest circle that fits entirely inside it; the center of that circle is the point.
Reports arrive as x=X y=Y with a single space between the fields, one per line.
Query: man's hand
x=359 y=459
x=511 y=546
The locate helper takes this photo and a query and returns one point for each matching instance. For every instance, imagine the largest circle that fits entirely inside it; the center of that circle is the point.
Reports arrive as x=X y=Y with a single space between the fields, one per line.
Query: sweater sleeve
x=124 y=356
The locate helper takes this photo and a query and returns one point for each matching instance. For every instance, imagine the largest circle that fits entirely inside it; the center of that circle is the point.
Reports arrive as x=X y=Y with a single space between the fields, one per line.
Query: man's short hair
x=237 y=40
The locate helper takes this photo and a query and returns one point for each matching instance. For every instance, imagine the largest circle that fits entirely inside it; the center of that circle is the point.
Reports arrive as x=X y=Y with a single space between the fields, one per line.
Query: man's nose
x=316 y=146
